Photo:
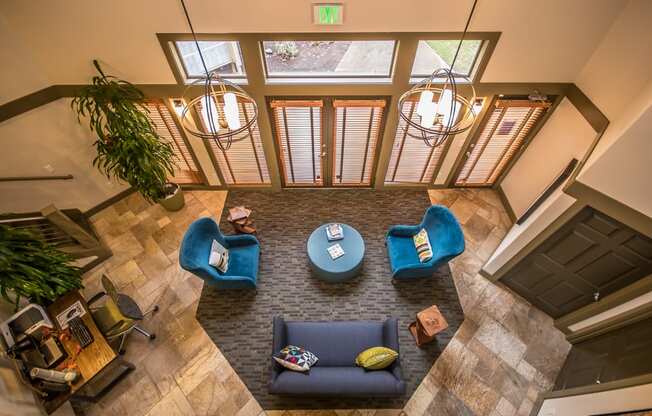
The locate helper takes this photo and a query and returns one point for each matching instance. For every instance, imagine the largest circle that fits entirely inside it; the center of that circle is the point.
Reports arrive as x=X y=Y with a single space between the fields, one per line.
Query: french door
x=327 y=141
x=502 y=134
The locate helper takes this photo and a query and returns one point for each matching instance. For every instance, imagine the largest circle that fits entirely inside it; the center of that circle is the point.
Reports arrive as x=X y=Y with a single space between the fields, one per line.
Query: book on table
x=334 y=232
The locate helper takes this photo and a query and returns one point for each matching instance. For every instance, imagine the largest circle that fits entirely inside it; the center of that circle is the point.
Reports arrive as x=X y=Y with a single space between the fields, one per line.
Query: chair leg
x=143 y=332
x=121 y=350
x=151 y=311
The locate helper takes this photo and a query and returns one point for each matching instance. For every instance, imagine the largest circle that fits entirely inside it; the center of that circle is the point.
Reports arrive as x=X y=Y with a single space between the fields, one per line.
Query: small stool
x=429 y=323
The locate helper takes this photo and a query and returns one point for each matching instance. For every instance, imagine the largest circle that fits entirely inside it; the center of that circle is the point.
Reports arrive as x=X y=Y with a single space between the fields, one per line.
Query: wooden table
x=91 y=360
x=429 y=323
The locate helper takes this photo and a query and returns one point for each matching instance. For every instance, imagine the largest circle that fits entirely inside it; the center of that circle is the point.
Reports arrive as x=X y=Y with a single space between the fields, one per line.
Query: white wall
x=622 y=400
x=620 y=65
x=520 y=235
x=545 y=41
x=566 y=135
x=50 y=135
x=618 y=79
x=622 y=167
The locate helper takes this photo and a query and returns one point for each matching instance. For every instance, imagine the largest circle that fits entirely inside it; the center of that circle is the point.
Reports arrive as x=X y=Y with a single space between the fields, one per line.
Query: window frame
x=180 y=69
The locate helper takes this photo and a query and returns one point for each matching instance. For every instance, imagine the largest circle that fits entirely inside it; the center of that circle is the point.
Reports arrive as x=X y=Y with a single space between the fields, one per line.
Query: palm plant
x=128 y=146
x=33 y=269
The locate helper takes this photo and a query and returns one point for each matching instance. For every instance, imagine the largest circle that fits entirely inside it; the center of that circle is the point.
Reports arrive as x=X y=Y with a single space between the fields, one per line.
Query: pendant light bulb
x=231 y=111
x=429 y=115
x=424 y=100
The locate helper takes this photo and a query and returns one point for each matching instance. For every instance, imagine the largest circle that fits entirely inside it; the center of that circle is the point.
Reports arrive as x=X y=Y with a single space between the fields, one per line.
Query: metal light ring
x=462 y=125
x=239 y=92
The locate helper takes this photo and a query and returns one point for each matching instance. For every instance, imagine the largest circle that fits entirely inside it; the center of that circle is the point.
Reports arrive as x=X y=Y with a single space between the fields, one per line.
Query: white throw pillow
x=219 y=257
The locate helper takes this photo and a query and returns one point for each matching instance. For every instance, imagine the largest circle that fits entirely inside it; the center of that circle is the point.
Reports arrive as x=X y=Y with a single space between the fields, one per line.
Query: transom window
x=435 y=54
x=221 y=56
x=329 y=59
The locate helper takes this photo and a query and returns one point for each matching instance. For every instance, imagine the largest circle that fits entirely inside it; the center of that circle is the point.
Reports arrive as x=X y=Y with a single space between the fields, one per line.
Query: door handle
x=323 y=154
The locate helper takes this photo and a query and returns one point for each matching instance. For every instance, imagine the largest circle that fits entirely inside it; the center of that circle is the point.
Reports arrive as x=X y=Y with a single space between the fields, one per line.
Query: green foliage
x=286 y=50
x=128 y=146
x=32 y=268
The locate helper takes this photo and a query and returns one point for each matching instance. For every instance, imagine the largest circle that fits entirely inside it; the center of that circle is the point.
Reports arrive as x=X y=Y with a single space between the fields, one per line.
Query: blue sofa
x=244 y=252
x=336 y=344
x=446 y=239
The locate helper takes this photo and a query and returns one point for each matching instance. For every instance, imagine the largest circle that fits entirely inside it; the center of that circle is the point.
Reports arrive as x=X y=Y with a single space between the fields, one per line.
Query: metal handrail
x=37 y=178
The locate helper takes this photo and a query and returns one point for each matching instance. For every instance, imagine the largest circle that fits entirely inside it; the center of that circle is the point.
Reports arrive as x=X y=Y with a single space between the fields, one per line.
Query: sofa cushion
x=338 y=343
x=295 y=358
x=339 y=381
x=376 y=358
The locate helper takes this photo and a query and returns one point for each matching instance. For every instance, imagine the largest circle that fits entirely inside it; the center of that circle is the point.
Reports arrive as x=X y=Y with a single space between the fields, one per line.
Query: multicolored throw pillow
x=219 y=257
x=422 y=244
x=376 y=358
x=296 y=358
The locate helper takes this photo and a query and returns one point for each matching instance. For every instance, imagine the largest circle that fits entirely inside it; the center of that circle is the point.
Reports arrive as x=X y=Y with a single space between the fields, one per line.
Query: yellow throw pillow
x=376 y=358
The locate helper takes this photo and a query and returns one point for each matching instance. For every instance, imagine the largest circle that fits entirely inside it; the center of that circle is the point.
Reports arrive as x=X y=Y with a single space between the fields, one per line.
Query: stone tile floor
x=503 y=356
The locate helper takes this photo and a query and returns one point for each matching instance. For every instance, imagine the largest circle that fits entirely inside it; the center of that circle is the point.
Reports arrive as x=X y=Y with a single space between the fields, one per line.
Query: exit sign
x=328 y=14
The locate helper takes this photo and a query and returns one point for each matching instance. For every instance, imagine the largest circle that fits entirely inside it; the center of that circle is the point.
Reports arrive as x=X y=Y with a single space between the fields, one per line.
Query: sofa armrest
x=279 y=336
x=241 y=240
x=390 y=339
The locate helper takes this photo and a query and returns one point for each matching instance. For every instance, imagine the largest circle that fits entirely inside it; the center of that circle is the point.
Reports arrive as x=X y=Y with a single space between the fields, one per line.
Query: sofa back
x=336 y=343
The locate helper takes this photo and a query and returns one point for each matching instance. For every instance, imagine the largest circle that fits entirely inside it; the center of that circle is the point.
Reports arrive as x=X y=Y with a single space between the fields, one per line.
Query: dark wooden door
x=590 y=257
x=613 y=356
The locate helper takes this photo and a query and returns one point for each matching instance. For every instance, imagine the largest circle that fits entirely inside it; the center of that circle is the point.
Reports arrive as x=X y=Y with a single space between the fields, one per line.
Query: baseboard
x=505 y=201
x=105 y=204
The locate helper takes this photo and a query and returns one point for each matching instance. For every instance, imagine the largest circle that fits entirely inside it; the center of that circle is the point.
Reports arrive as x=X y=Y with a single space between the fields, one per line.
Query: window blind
x=502 y=136
x=244 y=162
x=357 y=128
x=185 y=171
x=297 y=126
x=412 y=161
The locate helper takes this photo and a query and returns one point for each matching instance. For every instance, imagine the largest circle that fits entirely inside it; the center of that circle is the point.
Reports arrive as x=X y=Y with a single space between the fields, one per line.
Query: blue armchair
x=445 y=237
x=244 y=252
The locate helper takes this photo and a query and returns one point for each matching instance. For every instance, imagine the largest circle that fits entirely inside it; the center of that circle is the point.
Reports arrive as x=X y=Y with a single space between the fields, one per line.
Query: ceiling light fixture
x=219 y=105
x=442 y=110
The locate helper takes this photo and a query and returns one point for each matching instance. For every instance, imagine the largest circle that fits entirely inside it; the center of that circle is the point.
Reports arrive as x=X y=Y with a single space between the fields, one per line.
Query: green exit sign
x=328 y=14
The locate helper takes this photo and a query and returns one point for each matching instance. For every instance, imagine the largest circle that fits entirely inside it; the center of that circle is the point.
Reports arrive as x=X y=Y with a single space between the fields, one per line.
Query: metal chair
x=119 y=315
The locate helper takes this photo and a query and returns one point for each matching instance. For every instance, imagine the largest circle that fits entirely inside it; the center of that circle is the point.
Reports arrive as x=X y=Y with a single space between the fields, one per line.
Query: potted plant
x=128 y=146
x=33 y=269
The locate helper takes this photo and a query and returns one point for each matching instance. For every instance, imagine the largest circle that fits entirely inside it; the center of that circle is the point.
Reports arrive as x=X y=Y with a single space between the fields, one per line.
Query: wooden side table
x=429 y=323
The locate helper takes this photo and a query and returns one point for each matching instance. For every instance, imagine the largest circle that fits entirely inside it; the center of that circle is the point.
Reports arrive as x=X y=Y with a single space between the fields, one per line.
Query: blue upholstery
x=446 y=239
x=244 y=252
x=336 y=344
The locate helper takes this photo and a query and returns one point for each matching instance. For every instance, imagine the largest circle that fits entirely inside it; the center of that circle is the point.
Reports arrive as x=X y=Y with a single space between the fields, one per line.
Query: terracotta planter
x=174 y=200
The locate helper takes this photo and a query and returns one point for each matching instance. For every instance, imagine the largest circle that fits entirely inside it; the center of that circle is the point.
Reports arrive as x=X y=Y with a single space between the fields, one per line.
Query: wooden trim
x=593 y=388
x=611 y=324
x=506 y=204
x=298 y=103
x=591 y=113
x=36 y=178
x=611 y=301
x=107 y=203
x=616 y=209
x=29 y=102
x=358 y=103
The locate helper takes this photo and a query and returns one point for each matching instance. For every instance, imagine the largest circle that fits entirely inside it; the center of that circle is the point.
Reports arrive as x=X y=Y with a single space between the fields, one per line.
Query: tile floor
x=503 y=356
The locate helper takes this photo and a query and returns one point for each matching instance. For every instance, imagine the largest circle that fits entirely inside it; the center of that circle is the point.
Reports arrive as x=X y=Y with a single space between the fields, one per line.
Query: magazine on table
x=334 y=232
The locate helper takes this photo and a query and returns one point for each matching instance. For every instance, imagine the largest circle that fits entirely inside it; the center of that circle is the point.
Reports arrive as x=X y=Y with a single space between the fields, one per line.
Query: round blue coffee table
x=342 y=268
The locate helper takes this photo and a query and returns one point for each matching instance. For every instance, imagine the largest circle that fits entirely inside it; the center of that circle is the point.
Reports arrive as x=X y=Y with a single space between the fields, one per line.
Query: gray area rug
x=240 y=322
